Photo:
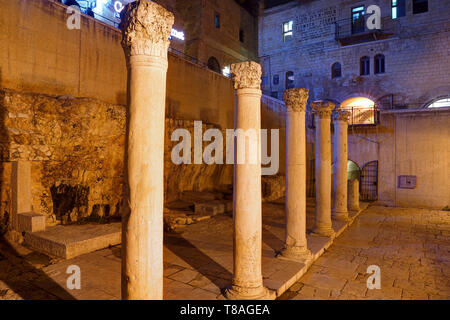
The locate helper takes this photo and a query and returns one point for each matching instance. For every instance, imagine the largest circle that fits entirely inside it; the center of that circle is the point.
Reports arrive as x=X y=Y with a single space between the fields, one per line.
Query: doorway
x=369 y=182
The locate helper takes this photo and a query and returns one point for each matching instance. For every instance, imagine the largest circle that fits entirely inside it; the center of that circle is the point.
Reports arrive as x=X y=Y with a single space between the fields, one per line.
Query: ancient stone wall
x=76 y=146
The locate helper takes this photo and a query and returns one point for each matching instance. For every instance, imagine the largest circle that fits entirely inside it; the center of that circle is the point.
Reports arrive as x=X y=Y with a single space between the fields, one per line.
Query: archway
x=353 y=171
x=442 y=102
x=214 y=65
x=362 y=110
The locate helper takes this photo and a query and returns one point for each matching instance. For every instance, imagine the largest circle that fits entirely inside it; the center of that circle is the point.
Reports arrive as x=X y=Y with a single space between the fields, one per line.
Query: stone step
x=70 y=241
x=213 y=208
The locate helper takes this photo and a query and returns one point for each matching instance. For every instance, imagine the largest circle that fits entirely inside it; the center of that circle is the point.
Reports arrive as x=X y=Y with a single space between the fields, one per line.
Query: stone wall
x=77 y=150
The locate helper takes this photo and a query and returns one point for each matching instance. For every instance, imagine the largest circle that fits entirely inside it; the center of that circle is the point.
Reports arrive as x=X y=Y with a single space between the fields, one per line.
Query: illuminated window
x=288 y=31
x=290 y=80
x=336 y=70
x=379 y=64
x=441 y=103
x=398 y=8
x=420 y=6
x=362 y=111
x=364 y=66
x=358 y=22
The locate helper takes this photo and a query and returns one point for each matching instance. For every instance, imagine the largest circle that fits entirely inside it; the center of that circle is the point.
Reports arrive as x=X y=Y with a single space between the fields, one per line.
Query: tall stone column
x=353 y=195
x=295 y=246
x=340 y=211
x=146 y=27
x=323 y=225
x=247 y=275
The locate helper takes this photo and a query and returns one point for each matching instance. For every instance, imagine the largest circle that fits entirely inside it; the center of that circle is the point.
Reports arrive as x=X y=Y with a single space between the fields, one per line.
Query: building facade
x=392 y=74
x=330 y=48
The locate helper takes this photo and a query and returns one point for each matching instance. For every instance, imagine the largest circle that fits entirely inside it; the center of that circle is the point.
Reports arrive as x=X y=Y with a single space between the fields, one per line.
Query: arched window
x=364 y=66
x=336 y=70
x=214 y=65
x=290 y=80
x=440 y=103
x=379 y=64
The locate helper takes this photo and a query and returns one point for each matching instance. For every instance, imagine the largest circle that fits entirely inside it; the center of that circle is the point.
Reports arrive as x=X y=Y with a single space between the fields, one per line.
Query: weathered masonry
x=393 y=80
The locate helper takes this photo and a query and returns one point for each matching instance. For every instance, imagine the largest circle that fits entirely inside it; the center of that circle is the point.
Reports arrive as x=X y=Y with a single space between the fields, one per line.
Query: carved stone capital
x=296 y=99
x=341 y=115
x=146 y=28
x=323 y=109
x=246 y=75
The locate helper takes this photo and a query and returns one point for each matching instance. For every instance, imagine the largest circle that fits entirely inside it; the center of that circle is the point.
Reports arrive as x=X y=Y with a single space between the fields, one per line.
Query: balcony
x=359 y=117
x=348 y=31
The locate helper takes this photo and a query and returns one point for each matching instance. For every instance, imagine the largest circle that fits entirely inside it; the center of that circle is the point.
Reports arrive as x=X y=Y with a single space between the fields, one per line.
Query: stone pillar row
x=146 y=27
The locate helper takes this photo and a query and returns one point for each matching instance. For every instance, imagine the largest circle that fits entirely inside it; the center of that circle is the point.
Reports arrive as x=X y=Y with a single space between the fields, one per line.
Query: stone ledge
x=30 y=222
x=70 y=241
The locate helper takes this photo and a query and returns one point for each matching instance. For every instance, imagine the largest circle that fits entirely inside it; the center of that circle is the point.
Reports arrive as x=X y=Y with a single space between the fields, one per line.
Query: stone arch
x=439 y=99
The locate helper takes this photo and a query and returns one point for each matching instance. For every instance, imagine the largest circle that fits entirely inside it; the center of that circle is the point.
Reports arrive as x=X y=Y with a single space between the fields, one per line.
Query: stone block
x=212 y=208
x=71 y=241
x=30 y=222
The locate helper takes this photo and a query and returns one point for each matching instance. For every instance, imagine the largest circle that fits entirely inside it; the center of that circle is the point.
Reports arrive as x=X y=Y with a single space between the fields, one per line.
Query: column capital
x=323 y=109
x=341 y=115
x=246 y=75
x=146 y=28
x=296 y=99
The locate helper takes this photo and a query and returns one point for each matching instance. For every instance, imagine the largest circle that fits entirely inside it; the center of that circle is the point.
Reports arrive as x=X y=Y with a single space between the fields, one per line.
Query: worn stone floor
x=411 y=247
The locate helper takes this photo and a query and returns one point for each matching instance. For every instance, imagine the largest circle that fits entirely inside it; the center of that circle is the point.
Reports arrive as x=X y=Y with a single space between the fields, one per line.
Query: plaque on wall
x=407 y=182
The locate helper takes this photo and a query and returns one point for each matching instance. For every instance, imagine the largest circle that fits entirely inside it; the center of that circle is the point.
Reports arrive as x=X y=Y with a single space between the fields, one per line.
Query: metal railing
x=358 y=28
x=359 y=116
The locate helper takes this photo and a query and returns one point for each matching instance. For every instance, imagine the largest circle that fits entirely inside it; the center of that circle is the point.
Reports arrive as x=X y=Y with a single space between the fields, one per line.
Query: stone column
x=146 y=27
x=295 y=246
x=340 y=118
x=323 y=225
x=353 y=195
x=247 y=275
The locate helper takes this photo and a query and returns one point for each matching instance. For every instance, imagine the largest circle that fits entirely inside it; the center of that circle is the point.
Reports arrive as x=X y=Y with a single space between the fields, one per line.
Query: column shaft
x=247 y=281
x=146 y=51
x=323 y=225
x=340 y=165
x=295 y=246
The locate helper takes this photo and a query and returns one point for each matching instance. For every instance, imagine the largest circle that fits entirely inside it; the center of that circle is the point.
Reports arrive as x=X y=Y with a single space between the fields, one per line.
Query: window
x=336 y=70
x=214 y=65
x=274 y=94
x=288 y=32
x=420 y=6
x=276 y=80
x=241 y=35
x=290 y=80
x=398 y=8
x=379 y=64
x=358 y=21
x=217 y=20
x=440 y=103
x=364 y=66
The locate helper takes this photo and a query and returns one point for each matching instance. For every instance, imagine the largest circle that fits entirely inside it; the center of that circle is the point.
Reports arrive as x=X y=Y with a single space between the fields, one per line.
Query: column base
x=341 y=216
x=323 y=231
x=241 y=293
x=299 y=254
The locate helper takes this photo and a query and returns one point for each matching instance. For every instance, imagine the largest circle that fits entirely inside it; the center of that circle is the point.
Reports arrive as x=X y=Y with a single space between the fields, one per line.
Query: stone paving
x=411 y=246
